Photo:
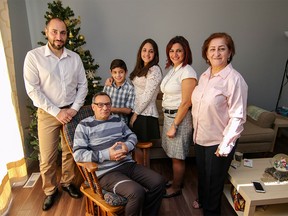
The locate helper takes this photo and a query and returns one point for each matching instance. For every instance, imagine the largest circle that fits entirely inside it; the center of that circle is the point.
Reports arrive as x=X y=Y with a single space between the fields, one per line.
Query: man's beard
x=58 y=47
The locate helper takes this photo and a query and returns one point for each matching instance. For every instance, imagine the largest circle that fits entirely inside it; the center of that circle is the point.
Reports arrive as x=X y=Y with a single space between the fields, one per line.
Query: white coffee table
x=275 y=193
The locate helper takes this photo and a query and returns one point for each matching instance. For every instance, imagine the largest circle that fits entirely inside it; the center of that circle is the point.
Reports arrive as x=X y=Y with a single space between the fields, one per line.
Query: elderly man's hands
x=118 y=151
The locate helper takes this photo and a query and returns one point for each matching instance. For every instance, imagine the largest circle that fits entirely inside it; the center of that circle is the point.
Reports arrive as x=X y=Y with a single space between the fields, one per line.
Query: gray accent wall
x=115 y=29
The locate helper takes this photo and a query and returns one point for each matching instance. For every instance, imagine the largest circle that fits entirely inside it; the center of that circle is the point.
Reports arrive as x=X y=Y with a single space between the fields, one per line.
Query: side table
x=280 y=122
x=275 y=198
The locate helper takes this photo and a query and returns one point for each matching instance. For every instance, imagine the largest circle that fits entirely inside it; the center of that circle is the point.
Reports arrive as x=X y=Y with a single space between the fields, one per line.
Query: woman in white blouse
x=177 y=87
x=146 y=78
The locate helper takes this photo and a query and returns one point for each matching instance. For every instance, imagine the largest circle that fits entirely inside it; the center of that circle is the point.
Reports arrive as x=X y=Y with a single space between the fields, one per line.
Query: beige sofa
x=258 y=134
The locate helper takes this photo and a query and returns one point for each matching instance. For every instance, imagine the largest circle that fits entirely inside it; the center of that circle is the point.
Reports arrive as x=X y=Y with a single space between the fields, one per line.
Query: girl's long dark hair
x=141 y=70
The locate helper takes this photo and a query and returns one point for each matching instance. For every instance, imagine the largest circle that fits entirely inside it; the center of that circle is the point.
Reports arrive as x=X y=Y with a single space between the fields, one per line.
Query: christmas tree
x=75 y=41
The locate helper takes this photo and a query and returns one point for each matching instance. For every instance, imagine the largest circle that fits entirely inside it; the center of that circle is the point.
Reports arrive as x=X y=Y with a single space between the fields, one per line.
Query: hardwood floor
x=28 y=201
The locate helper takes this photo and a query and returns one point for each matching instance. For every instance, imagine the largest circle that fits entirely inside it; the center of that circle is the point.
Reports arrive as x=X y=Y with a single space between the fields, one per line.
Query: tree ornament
x=81 y=52
x=81 y=37
x=95 y=82
x=67 y=22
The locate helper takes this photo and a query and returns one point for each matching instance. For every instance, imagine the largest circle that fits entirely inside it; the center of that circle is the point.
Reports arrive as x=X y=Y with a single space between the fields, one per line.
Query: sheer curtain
x=13 y=169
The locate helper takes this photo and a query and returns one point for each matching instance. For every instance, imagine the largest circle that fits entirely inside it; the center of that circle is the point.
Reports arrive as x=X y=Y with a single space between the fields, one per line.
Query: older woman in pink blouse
x=219 y=112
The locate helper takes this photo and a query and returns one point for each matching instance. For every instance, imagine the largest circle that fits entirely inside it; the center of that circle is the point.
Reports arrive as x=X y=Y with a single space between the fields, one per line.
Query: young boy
x=121 y=91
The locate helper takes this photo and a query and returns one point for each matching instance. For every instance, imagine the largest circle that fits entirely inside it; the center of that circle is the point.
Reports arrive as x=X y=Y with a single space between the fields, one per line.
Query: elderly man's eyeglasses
x=101 y=105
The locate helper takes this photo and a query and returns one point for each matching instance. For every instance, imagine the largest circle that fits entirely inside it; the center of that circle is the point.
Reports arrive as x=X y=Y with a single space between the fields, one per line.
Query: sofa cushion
x=260 y=117
x=254 y=134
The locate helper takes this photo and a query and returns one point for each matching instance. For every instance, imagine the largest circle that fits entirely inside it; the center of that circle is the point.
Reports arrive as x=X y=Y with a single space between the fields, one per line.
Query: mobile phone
x=258 y=187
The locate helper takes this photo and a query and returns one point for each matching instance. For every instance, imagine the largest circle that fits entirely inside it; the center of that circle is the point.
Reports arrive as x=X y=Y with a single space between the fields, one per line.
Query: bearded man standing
x=55 y=81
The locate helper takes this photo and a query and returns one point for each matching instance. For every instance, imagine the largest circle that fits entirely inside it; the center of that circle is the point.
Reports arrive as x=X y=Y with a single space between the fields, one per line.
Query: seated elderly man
x=107 y=140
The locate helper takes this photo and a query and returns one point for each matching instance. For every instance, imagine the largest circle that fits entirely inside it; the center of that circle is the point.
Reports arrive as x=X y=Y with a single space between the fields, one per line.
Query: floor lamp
x=285 y=75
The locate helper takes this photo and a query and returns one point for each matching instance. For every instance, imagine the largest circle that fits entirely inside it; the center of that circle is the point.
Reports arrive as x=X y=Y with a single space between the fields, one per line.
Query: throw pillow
x=111 y=198
x=114 y=199
x=260 y=117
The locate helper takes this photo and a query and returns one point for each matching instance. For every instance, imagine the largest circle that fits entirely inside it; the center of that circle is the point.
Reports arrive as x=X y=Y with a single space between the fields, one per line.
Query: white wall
x=115 y=29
